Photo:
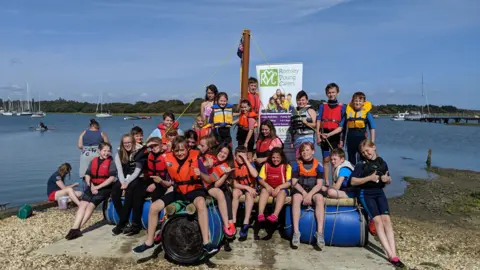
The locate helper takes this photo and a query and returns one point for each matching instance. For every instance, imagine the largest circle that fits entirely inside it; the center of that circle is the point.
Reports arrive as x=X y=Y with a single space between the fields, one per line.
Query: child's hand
x=94 y=190
x=245 y=145
x=340 y=144
x=74 y=185
x=227 y=170
x=243 y=156
x=124 y=186
x=196 y=171
x=269 y=189
x=319 y=139
x=151 y=188
x=156 y=179
x=252 y=192
x=291 y=145
x=373 y=177
x=209 y=163
x=386 y=178
x=324 y=135
x=276 y=191
x=307 y=199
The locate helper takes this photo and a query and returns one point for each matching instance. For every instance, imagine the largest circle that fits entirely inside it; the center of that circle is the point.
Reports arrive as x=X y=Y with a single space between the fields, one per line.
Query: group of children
x=201 y=163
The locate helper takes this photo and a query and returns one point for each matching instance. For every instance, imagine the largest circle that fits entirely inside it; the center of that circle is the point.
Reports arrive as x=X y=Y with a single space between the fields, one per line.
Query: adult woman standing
x=88 y=143
x=206 y=107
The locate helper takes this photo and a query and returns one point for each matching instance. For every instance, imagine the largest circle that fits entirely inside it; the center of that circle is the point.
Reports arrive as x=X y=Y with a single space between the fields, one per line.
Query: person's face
x=369 y=152
x=167 y=122
x=252 y=88
x=238 y=159
x=203 y=146
x=332 y=93
x=156 y=148
x=302 y=102
x=307 y=153
x=105 y=152
x=223 y=154
x=127 y=143
x=200 y=121
x=278 y=92
x=272 y=101
x=358 y=103
x=282 y=98
x=138 y=138
x=192 y=144
x=336 y=160
x=222 y=101
x=210 y=95
x=181 y=151
x=265 y=130
x=276 y=159
x=244 y=108
x=289 y=98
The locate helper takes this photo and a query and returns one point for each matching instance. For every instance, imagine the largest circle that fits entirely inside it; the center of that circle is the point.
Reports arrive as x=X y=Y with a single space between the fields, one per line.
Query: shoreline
x=120 y=114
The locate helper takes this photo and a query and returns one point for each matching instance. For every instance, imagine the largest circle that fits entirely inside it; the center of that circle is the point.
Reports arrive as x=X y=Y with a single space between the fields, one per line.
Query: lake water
x=28 y=158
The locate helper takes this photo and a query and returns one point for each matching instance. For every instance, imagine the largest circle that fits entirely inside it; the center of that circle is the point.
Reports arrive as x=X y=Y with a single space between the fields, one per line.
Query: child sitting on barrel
x=307 y=181
x=185 y=172
x=244 y=183
x=342 y=169
x=371 y=176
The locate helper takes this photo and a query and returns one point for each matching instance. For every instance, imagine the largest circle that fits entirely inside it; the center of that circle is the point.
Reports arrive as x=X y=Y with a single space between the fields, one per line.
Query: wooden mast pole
x=245 y=64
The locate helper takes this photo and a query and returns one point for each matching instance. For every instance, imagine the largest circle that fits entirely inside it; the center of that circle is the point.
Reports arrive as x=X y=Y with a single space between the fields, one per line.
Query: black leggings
x=123 y=211
x=228 y=199
x=353 y=146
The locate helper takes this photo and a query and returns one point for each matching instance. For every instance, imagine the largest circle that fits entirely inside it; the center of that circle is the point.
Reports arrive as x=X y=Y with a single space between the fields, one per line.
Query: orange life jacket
x=164 y=129
x=203 y=157
x=275 y=175
x=100 y=171
x=156 y=165
x=202 y=132
x=244 y=117
x=184 y=177
x=307 y=178
x=331 y=117
x=217 y=171
x=242 y=175
x=254 y=100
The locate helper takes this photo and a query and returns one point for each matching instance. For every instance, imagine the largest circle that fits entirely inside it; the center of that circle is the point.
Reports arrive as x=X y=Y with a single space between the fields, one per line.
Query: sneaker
x=272 y=218
x=73 y=233
x=228 y=233
x=209 y=248
x=371 y=228
x=320 y=239
x=158 y=238
x=232 y=228
x=244 y=231
x=141 y=248
x=226 y=246
x=261 y=218
x=397 y=263
x=296 y=239
x=117 y=230
x=131 y=230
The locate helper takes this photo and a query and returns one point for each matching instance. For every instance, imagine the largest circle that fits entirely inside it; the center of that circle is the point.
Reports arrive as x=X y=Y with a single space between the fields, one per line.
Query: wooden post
x=429 y=158
x=245 y=63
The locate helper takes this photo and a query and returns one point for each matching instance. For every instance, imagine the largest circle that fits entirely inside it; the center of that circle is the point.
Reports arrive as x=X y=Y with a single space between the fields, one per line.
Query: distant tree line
x=177 y=106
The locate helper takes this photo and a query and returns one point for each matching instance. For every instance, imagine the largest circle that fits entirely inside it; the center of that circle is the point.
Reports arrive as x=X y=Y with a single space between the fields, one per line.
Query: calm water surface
x=28 y=158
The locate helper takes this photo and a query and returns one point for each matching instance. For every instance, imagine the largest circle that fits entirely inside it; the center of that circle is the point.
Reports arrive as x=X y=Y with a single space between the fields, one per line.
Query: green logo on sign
x=269 y=77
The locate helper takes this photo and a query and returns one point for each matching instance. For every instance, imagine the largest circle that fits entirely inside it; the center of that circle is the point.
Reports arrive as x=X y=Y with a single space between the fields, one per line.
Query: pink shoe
x=228 y=232
x=272 y=218
x=261 y=218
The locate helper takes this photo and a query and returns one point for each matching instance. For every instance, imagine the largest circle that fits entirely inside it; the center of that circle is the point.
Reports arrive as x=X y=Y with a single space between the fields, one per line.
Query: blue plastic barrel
x=182 y=239
x=345 y=226
x=112 y=217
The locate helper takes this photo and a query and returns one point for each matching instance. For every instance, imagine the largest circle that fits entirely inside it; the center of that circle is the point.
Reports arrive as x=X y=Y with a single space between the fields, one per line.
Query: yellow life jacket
x=222 y=117
x=357 y=119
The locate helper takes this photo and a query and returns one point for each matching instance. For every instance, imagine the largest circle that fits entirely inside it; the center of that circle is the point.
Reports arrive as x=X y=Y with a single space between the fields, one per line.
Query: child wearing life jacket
x=274 y=177
x=155 y=169
x=218 y=188
x=253 y=95
x=206 y=147
x=187 y=174
x=357 y=119
x=192 y=138
x=206 y=107
x=330 y=119
x=370 y=177
x=56 y=187
x=130 y=170
x=342 y=169
x=221 y=118
x=302 y=128
x=246 y=127
x=137 y=133
x=307 y=183
x=202 y=129
x=99 y=177
x=169 y=123
x=244 y=183
x=267 y=140
x=167 y=140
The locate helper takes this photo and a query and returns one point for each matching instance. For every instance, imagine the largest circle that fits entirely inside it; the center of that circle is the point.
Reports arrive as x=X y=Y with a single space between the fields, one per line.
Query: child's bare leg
x=387 y=225
x=279 y=202
x=336 y=194
x=235 y=201
x=221 y=202
x=201 y=206
x=248 y=207
x=319 y=211
x=262 y=201
x=155 y=209
x=88 y=213
x=381 y=235
x=296 y=204
x=326 y=169
x=79 y=215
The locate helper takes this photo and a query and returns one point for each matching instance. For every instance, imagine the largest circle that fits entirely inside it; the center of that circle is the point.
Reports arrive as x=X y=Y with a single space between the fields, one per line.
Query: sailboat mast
x=245 y=63
x=426 y=99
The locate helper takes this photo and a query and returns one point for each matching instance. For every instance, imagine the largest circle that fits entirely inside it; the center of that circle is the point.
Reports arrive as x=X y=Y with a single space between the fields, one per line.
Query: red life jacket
x=244 y=118
x=331 y=117
x=263 y=147
x=202 y=132
x=275 y=175
x=203 y=157
x=242 y=175
x=164 y=129
x=254 y=100
x=184 y=177
x=156 y=165
x=100 y=173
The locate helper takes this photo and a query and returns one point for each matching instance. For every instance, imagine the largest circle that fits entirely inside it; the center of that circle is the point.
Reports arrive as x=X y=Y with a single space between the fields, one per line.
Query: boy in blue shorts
x=342 y=170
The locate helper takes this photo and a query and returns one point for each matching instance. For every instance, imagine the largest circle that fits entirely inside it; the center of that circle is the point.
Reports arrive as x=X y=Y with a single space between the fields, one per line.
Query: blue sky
x=151 y=49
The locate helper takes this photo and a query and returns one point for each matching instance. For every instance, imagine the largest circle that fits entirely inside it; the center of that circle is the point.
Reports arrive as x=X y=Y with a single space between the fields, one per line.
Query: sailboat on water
x=39 y=113
x=101 y=114
x=9 y=110
x=25 y=106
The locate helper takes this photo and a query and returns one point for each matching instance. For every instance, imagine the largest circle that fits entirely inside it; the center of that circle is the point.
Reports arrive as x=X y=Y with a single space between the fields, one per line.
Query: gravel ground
x=436 y=225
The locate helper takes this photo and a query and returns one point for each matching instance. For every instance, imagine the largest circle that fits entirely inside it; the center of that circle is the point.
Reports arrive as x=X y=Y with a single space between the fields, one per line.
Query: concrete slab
x=273 y=253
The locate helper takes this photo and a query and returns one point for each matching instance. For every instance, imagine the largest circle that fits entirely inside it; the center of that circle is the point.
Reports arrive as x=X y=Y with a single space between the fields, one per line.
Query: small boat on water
x=102 y=114
x=400 y=116
x=137 y=118
x=375 y=116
